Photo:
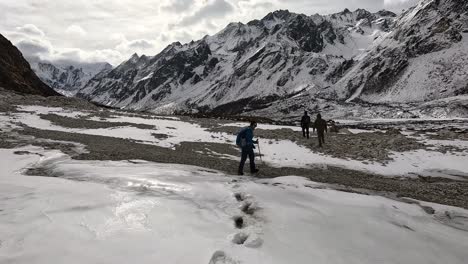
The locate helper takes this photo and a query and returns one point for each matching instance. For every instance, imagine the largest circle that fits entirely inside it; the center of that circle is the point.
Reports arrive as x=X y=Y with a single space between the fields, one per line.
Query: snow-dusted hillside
x=425 y=58
x=292 y=59
x=68 y=79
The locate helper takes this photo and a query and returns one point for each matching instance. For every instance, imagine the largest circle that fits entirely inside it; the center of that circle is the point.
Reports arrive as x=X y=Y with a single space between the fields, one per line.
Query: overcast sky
x=112 y=30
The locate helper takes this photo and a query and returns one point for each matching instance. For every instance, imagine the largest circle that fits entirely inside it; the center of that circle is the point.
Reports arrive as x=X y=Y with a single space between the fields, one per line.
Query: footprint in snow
x=239 y=197
x=249 y=207
x=248 y=240
x=239 y=238
x=239 y=222
x=219 y=257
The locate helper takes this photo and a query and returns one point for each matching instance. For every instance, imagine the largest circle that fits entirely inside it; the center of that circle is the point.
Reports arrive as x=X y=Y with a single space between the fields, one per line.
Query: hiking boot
x=255 y=171
x=240 y=173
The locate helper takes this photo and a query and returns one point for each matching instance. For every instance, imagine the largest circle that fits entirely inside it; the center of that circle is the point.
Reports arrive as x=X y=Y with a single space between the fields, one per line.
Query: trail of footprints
x=248 y=222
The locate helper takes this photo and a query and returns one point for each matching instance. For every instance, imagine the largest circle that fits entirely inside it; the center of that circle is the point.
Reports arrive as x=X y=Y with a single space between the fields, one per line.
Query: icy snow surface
x=142 y=212
x=176 y=130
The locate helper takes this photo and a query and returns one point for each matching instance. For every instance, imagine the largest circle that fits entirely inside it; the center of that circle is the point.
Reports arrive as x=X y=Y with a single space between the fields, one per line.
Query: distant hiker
x=321 y=126
x=246 y=143
x=333 y=127
x=305 y=124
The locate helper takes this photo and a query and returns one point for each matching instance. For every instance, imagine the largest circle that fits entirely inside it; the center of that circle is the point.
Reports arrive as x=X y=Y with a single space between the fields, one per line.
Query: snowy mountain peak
x=386 y=13
x=279 y=14
x=342 y=56
x=68 y=79
x=134 y=58
x=423 y=59
x=345 y=11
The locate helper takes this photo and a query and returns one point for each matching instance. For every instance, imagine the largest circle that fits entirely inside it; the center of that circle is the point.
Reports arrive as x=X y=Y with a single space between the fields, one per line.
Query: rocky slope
x=16 y=73
x=278 y=56
x=68 y=79
x=425 y=58
x=293 y=61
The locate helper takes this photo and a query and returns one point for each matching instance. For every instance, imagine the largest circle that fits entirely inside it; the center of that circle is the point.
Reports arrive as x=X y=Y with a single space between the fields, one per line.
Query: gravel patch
x=447 y=134
x=375 y=147
x=160 y=136
x=89 y=124
x=13 y=98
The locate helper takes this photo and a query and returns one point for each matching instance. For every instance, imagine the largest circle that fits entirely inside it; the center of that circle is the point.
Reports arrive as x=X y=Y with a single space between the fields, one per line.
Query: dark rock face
x=16 y=73
x=386 y=13
x=339 y=71
x=364 y=14
x=306 y=33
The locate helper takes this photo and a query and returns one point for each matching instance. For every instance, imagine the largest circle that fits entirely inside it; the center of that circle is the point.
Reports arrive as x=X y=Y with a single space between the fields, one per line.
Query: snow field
x=140 y=211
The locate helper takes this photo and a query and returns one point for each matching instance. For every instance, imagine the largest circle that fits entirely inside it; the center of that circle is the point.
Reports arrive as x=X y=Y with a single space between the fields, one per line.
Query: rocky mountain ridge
x=294 y=59
x=68 y=79
x=16 y=73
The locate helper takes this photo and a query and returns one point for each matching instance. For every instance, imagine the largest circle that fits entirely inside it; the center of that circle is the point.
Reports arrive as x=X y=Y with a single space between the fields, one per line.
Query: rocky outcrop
x=16 y=73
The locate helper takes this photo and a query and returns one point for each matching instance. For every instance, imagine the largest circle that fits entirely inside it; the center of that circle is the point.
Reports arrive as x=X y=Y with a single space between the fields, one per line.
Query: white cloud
x=116 y=29
x=76 y=31
x=31 y=41
x=395 y=2
x=79 y=56
x=178 y=6
x=30 y=29
x=34 y=48
x=213 y=9
x=34 y=44
x=141 y=46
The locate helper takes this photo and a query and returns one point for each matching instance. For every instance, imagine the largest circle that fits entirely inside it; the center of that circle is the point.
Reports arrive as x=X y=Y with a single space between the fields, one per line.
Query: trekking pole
x=259 y=152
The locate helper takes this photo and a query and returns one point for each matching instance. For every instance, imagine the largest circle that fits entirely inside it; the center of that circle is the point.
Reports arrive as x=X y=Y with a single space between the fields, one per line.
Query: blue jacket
x=245 y=137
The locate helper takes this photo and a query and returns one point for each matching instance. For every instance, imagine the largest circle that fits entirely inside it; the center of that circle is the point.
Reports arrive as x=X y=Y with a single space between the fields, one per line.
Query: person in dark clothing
x=321 y=126
x=305 y=124
x=333 y=127
x=246 y=143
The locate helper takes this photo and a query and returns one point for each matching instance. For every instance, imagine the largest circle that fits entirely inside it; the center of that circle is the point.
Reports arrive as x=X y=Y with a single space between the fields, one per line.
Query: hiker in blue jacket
x=246 y=143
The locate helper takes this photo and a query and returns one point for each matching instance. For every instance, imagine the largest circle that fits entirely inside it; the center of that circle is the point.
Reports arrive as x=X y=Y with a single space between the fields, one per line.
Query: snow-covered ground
x=276 y=153
x=138 y=211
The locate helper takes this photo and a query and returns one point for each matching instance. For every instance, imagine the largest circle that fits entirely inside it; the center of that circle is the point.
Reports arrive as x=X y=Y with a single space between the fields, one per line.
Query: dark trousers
x=247 y=151
x=321 y=137
x=305 y=130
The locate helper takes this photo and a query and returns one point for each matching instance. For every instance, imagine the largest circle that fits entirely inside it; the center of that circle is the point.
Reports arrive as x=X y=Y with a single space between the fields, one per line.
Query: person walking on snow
x=321 y=126
x=246 y=143
x=305 y=124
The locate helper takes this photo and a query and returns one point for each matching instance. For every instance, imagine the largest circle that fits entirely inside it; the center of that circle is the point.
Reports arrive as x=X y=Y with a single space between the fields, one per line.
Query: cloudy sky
x=112 y=30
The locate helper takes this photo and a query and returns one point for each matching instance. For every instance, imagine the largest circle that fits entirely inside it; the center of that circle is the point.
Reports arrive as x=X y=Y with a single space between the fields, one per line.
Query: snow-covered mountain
x=425 y=58
x=68 y=79
x=349 y=56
